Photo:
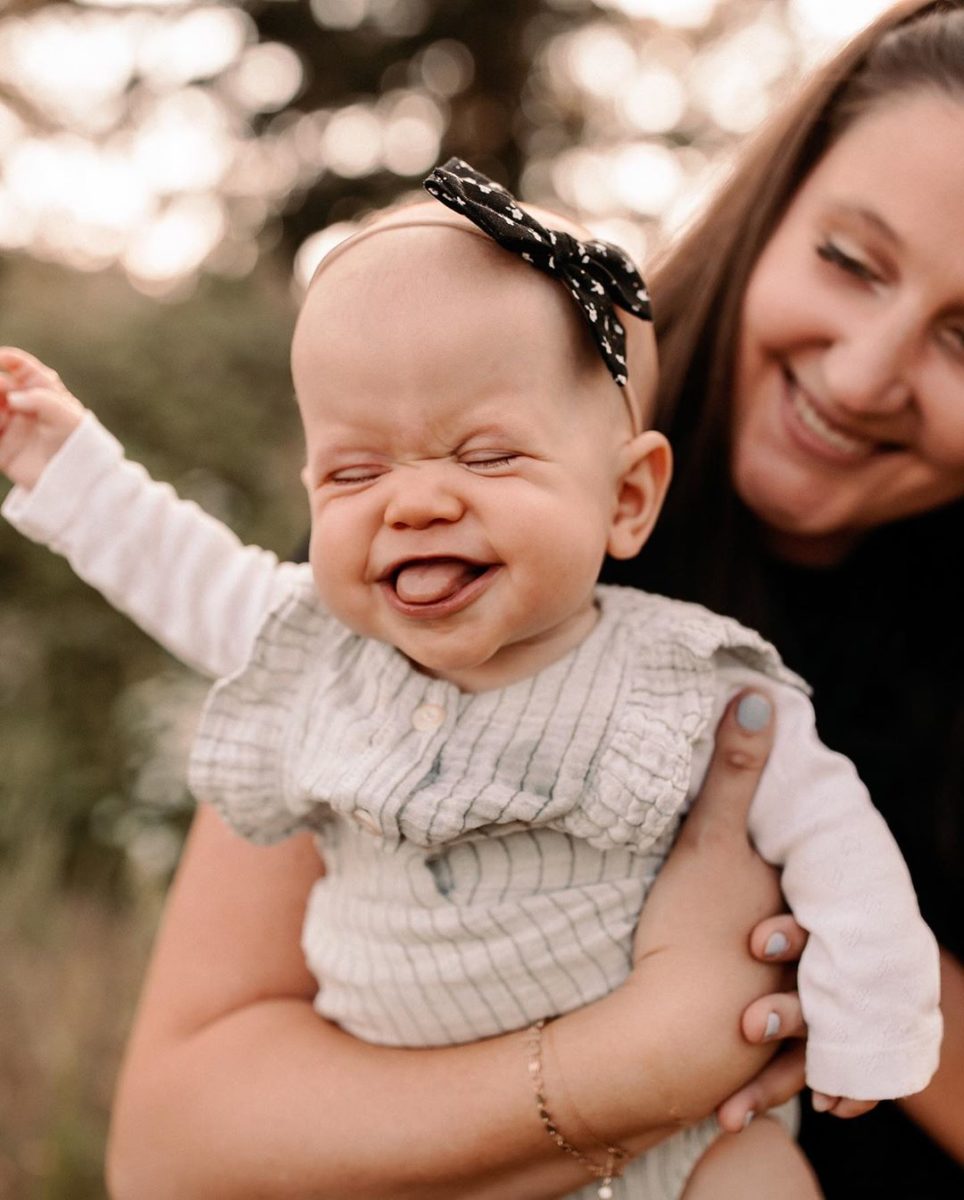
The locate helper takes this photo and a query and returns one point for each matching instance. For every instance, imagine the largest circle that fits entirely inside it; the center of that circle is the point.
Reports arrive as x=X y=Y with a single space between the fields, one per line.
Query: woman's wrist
x=603 y=1076
x=604 y=1161
x=657 y=1054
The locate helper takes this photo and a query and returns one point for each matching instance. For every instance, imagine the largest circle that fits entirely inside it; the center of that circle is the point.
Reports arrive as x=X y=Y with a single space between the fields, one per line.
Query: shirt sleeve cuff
x=876 y=1073
x=44 y=511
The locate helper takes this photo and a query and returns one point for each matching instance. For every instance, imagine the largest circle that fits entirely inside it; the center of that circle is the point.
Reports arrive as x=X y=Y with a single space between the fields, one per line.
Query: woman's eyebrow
x=867 y=216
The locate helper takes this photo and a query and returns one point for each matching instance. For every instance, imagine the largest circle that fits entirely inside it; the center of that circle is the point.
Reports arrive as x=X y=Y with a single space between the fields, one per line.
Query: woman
x=812 y=338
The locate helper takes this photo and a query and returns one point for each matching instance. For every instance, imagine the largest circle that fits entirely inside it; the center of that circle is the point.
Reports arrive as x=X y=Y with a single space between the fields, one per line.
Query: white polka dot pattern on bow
x=599 y=276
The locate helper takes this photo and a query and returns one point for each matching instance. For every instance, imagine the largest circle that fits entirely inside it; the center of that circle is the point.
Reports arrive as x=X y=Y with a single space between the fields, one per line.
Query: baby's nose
x=422 y=497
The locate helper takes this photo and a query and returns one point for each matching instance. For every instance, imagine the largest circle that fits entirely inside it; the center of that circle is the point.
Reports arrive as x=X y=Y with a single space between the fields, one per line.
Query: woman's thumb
x=744 y=738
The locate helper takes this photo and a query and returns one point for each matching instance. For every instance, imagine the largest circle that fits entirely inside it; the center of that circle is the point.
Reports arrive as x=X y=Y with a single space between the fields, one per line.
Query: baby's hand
x=37 y=415
x=841 y=1106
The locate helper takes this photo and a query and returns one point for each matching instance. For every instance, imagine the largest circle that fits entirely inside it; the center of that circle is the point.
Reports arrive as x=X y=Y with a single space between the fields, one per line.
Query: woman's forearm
x=939 y=1109
x=272 y=1101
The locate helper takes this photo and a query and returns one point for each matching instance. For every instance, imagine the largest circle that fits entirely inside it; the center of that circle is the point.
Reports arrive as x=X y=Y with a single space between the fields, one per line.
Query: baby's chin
x=469 y=667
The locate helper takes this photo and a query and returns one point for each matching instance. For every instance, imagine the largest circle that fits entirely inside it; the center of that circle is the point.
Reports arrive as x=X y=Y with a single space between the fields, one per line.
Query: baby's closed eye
x=485 y=461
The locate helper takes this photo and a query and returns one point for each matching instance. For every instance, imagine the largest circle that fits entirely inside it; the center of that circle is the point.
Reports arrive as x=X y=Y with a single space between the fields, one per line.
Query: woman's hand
x=704 y=998
x=772 y=1018
x=717 y=830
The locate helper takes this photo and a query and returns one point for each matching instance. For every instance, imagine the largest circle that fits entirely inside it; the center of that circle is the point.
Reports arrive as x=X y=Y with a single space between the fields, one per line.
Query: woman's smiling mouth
x=810 y=427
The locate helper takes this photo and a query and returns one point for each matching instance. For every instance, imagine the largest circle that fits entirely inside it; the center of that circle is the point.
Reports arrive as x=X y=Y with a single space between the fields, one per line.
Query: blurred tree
x=466 y=61
x=178 y=136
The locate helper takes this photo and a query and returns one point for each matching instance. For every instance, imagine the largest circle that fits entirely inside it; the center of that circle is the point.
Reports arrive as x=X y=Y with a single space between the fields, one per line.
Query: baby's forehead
x=440 y=282
x=433 y=256
x=424 y=272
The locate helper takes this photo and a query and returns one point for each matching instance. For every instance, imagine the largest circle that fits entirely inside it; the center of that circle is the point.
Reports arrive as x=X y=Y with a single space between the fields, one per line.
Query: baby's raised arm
x=179 y=574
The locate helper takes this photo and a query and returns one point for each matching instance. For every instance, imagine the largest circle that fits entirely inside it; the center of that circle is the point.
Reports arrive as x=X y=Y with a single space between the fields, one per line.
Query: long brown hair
x=879 y=636
x=699 y=285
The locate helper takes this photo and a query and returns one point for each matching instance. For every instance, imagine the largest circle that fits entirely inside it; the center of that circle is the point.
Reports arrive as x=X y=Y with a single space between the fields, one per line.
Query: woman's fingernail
x=772 y=1026
x=753 y=712
x=820 y=1102
x=777 y=943
x=15 y=399
x=748 y=1119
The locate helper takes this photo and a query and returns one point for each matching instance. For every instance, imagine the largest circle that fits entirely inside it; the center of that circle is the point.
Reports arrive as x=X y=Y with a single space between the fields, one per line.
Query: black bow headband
x=598 y=275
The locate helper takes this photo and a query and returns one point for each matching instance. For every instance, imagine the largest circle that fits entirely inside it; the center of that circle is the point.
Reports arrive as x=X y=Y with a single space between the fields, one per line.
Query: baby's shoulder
x=296 y=627
x=683 y=638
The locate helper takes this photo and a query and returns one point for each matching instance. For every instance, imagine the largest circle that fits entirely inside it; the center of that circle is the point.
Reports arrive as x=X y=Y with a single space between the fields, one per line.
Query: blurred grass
x=95 y=718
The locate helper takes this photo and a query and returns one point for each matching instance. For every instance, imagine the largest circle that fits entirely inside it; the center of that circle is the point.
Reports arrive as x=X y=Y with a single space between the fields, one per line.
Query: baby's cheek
x=335 y=565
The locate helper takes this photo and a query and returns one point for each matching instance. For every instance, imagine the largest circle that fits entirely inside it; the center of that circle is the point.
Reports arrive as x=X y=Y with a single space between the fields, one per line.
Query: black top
x=887 y=692
x=881 y=640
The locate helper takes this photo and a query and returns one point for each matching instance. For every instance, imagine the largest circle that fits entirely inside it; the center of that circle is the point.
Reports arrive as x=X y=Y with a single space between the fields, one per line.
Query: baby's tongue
x=432 y=580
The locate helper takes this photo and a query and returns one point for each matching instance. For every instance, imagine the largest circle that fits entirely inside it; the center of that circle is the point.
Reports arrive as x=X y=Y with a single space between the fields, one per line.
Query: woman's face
x=849 y=389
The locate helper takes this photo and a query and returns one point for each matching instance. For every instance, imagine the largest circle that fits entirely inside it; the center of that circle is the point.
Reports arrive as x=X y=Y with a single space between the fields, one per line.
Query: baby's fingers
x=841 y=1106
x=34 y=424
x=54 y=408
x=24 y=369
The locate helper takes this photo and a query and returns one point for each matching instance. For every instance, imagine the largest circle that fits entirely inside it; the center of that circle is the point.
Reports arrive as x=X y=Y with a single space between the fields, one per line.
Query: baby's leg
x=761 y=1163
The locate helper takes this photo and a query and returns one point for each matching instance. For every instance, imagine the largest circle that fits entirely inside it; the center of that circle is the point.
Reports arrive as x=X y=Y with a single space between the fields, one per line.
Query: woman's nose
x=868 y=370
x=422 y=496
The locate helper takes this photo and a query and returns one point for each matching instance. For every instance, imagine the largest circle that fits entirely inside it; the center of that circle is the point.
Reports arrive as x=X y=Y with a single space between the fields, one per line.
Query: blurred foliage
x=199 y=391
x=96 y=719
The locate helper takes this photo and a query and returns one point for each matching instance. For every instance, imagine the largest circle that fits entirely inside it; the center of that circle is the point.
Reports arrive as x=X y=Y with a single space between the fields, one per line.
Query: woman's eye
x=953 y=336
x=493 y=463
x=830 y=252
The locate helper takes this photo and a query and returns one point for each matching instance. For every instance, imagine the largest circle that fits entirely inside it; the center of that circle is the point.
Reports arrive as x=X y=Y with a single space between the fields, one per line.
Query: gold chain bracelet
x=615 y=1155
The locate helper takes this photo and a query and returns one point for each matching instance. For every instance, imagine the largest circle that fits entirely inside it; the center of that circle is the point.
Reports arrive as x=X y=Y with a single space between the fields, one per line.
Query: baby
x=494 y=751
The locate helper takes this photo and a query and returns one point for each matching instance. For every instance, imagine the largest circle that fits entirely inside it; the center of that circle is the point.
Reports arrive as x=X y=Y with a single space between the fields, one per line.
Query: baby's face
x=463 y=465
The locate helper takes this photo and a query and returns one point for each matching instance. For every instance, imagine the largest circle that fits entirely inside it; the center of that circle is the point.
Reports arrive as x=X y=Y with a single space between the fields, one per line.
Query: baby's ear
x=647 y=465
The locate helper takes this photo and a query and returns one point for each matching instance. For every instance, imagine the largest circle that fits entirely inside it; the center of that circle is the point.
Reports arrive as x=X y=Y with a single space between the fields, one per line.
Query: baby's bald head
x=420 y=280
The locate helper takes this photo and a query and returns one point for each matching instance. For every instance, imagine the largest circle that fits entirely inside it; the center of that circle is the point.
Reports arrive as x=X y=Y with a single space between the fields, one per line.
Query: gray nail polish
x=748 y=1119
x=772 y=1026
x=777 y=943
x=753 y=712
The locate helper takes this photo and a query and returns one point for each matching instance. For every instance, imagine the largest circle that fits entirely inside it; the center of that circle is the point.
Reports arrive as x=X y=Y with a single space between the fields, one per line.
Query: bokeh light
x=141 y=136
x=684 y=13
x=831 y=21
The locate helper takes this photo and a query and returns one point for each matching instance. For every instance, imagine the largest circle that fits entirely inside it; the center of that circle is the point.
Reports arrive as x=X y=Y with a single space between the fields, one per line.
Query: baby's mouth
x=434 y=580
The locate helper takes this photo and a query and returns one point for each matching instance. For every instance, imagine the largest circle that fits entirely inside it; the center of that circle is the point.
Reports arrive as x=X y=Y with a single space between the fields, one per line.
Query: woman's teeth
x=834 y=438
